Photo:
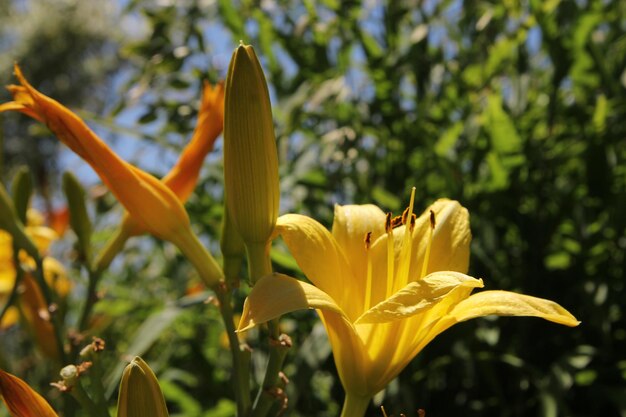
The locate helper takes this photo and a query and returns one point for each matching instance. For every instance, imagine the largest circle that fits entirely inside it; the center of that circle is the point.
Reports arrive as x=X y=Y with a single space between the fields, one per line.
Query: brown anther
x=396 y=222
x=368 y=240
x=433 y=222
x=388 y=227
x=421 y=412
x=413 y=220
x=405 y=214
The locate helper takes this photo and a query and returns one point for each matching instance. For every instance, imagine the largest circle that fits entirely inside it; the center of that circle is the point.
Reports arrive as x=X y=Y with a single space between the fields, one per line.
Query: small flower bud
x=22 y=190
x=140 y=394
x=79 y=219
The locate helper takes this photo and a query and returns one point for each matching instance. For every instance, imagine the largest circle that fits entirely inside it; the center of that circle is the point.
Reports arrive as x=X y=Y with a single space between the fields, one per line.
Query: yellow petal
x=504 y=303
x=501 y=303
x=349 y=352
x=42 y=236
x=350 y=225
x=11 y=316
x=451 y=239
x=22 y=400
x=418 y=296
x=322 y=260
x=183 y=176
x=56 y=276
x=278 y=294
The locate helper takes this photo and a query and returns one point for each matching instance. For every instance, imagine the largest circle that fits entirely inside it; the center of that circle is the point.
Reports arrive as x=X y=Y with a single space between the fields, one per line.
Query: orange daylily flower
x=153 y=206
x=21 y=399
x=183 y=176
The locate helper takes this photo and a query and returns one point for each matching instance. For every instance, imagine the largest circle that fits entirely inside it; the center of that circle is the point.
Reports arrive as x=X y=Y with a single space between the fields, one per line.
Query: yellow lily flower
x=153 y=206
x=32 y=301
x=21 y=399
x=384 y=288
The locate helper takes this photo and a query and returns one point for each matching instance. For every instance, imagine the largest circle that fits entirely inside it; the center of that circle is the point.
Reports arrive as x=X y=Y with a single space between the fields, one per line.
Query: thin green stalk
x=260 y=265
x=279 y=345
x=114 y=246
x=241 y=370
x=88 y=405
x=90 y=300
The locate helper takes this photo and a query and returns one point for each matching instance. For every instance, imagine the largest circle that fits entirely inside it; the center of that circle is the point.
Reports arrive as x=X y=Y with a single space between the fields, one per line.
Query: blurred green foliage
x=516 y=109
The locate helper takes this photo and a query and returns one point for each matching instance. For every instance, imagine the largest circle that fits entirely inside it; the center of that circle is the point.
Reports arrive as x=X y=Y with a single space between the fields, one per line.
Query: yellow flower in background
x=384 y=288
x=21 y=399
x=153 y=206
x=32 y=302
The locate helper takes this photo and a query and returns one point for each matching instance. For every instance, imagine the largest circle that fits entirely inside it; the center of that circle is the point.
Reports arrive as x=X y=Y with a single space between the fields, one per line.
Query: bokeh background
x=515 y=108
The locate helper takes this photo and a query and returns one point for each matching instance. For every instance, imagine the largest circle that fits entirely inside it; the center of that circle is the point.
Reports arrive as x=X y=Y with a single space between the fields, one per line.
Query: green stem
x=208 y=269
x=241 y=357
x=114 y=246
x=78 y=392
x=279 y=345
x=354 y=406
x=259 y=262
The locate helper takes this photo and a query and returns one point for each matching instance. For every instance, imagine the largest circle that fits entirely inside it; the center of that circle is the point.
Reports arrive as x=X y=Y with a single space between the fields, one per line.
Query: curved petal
x=322 y=261
x=350 y=225
x=505 y=303
x=418 y=296
x=395 y=343
x=349 y=352
x=501 y=303
x=278 y=294
x=21 y=399
x=152 y=203
x=450 y=248
x=183 y=176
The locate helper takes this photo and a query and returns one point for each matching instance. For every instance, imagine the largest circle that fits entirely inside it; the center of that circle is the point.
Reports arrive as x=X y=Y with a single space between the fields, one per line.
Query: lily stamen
x=390 y=255
x=405 y=252
x=433 y=223
x=368 y=282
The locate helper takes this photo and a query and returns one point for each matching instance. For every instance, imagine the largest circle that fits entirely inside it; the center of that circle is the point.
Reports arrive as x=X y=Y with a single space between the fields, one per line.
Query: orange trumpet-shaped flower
x=22 y=400
x=183 y=176
x=153 y=206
